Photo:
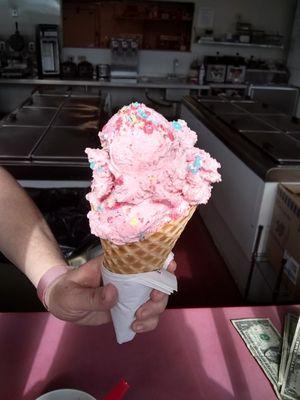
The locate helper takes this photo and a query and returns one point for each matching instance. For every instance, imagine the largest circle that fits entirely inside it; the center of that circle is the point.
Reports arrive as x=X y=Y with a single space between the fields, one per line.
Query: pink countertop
x=193 y=354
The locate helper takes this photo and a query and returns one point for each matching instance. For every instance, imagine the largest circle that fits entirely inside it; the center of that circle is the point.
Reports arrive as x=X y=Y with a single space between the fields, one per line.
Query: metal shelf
x=232 y=44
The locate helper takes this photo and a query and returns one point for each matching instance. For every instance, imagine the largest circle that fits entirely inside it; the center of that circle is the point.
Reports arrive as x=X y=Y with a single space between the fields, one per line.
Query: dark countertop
x=264 y=166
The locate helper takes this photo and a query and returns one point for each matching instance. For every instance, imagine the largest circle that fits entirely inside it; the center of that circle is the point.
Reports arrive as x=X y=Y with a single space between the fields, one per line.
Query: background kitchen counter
x=145 y=82
x=45 y=137
x=161 y=89
x=238 y=216
x=264 y=166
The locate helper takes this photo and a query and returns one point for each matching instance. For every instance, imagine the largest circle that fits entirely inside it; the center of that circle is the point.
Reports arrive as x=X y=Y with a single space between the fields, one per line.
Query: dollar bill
x=291 y=381
x=290 y=323
x=264 y=342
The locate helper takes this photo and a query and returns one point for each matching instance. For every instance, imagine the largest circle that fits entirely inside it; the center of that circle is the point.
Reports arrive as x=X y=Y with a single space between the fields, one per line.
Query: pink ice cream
x=147 y=173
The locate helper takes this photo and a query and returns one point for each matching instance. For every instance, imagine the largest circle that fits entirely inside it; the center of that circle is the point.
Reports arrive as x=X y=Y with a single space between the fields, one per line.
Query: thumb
x=92 y=299
x=88 y=274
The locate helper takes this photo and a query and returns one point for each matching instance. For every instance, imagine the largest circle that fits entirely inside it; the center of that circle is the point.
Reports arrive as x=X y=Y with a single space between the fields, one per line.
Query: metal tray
x=246 y=122
x=44 y=101
x=284 y=123
x=17 y=142
x=279 y=146
x=64 y=144
x=29 y=117
x=82 y=119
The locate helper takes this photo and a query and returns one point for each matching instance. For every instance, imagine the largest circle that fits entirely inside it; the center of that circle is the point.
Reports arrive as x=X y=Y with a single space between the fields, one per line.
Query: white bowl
x=66 y=394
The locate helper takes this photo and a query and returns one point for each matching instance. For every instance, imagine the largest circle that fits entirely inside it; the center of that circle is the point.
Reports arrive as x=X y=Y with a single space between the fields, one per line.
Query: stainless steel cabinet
x=239 y=204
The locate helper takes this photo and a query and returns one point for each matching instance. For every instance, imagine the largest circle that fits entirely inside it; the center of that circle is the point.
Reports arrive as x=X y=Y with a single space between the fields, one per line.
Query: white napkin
x=133 y=291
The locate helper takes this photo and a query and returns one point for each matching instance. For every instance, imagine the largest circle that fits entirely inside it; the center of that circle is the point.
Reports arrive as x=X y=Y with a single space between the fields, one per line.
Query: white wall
x=270 y=15
x=30 y=13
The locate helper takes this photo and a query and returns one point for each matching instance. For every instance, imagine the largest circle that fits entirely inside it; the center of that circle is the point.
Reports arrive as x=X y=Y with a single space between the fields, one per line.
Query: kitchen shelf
x=218 y=43
x=267 y=71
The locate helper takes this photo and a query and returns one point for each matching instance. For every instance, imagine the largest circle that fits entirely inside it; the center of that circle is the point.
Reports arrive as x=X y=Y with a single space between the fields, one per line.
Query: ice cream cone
x=146 y=255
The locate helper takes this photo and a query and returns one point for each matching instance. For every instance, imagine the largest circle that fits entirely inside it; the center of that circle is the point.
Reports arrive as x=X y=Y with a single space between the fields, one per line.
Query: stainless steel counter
x=147 y=82
x=258 y=159
x=45 y=138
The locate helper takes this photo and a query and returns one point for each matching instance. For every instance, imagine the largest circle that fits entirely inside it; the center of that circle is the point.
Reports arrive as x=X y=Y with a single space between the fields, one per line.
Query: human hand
x=77 y=296
x=147 y=316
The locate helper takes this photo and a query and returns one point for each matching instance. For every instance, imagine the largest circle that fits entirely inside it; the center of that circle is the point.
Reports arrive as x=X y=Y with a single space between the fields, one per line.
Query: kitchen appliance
x=124 y=59
x=48 y=51
x=243 y=30
x=103 y=72
x=16 y=70
x=284 y=98
x=215 y=69
x=14 y=59
x=68 y=70
x=236 y=69
x=85 y=70
x=16 y=41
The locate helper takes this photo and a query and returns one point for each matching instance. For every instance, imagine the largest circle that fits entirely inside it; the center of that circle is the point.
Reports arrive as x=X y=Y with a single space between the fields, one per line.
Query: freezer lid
x=284 y=123
x=83 y=119
x=66 y=144
x=83 y=102
x=44 y=101
x=16 y=143
x=280 y=146
x=245 y=122
x=29 y=117
x=255 y=107
x=220 y=107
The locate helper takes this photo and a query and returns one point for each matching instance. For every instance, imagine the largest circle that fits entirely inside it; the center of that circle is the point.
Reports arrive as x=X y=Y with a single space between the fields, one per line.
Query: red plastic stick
x=118 y=392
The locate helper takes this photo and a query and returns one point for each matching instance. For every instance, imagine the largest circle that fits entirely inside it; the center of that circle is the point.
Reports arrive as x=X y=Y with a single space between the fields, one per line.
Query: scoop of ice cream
x=147 y=173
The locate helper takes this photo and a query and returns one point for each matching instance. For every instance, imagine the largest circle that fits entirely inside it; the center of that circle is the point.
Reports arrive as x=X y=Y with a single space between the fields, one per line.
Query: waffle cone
x=147 y=255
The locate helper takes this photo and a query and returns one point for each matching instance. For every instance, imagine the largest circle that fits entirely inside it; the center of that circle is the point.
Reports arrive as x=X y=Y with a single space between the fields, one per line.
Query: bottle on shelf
x=201 y=74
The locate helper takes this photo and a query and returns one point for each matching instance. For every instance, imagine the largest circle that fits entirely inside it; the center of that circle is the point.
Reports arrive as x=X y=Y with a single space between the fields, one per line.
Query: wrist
x=51 y=275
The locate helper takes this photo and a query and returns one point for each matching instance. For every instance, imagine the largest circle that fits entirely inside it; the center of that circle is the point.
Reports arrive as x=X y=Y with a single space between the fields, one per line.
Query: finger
x=88 y=274
x=157 y=296
x=79 y=298
x=151 y=308
x=145 y=326
x=172 y=266
x=95 y=318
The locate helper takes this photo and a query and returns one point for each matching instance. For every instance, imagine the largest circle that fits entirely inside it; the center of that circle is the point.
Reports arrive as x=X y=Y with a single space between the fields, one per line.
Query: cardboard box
x=283 y=245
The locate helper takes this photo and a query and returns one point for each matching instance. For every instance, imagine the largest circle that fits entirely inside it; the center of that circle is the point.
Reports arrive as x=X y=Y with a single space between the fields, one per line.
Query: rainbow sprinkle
x=134 y=221
x=142 y=113
x=176 y=125
x=196 y=165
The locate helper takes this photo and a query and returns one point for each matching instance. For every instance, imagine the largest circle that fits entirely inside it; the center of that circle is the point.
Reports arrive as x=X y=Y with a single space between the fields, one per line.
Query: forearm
x=25 y=238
